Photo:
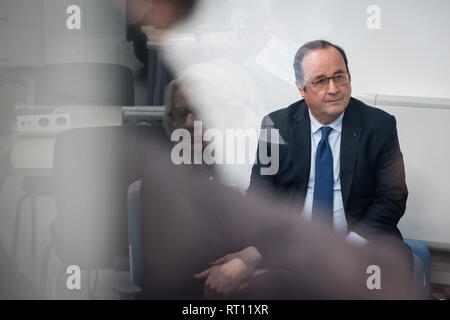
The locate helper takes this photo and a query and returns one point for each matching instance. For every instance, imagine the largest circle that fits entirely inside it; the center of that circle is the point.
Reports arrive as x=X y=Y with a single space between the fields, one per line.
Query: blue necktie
x=324 y=183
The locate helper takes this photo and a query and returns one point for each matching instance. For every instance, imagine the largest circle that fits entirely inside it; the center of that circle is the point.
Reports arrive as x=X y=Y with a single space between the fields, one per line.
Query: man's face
x=326 y=104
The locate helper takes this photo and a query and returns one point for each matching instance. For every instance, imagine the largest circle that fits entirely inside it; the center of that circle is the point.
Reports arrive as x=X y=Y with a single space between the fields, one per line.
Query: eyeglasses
x=340 y=79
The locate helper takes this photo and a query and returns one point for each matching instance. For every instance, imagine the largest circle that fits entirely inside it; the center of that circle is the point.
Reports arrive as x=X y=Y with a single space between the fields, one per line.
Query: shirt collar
x=335 y=125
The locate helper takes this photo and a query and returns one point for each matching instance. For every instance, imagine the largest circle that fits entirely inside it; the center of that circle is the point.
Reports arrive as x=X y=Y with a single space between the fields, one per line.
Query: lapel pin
x=354 y=133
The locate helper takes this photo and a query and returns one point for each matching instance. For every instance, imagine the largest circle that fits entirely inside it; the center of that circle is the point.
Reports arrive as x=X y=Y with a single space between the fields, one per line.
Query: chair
x=93 y=168
x=422 y=267
x=129 y=285
x=71 y=84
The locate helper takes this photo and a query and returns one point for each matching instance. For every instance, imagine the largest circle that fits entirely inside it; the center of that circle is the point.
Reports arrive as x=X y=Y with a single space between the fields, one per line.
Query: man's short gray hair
x=312 y=46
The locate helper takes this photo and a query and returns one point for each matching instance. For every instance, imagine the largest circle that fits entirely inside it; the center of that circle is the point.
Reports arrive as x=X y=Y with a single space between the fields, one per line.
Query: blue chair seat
x=422 y=267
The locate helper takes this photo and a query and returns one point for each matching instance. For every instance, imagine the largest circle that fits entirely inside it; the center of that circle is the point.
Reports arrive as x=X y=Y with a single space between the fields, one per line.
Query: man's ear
x=300 y=88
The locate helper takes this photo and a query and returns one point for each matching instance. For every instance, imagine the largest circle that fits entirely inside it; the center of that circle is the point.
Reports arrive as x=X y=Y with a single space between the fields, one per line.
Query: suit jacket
x=372 y=172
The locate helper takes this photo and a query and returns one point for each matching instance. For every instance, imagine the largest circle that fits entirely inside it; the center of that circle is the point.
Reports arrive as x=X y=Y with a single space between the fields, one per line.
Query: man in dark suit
x=339 y=163
x=366 y=175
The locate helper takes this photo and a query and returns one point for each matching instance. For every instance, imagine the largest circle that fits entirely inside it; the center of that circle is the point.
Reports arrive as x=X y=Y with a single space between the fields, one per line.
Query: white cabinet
x=105 y=16
x=21 y=40
x=21 y=12
x=64 y=47
x=20 y=46
x=56 y=15
x=102 y=29
x=34 y=32
x=104 y=47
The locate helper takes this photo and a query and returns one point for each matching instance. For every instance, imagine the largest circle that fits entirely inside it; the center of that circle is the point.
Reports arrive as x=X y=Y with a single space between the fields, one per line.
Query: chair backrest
x=85 y=84
x=93 y=168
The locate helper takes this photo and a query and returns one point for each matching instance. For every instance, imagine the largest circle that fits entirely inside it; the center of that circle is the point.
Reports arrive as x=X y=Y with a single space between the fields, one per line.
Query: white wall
x=408 y=56
x=423 y=135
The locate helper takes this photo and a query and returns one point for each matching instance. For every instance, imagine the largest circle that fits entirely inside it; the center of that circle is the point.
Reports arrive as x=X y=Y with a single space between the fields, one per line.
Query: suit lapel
x=300 y=137
x=351 y=132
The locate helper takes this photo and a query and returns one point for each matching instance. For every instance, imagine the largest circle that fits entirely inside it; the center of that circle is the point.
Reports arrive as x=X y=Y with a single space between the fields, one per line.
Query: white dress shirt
x=334 y=140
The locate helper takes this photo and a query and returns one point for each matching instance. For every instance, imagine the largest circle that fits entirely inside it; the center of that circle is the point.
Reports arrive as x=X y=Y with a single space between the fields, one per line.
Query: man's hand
x=230 y=272
x=223 y=279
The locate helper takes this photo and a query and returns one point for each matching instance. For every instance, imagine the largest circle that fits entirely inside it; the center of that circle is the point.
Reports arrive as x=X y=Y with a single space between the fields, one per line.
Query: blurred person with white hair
x=221 y=99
